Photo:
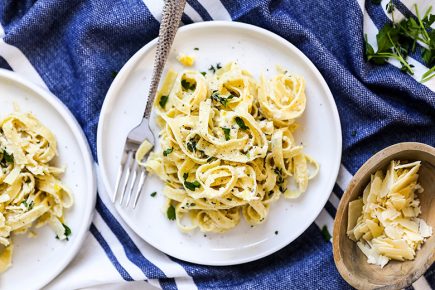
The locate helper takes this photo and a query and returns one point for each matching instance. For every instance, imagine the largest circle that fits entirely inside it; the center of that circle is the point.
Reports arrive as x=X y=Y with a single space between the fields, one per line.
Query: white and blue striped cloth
x=72 y=48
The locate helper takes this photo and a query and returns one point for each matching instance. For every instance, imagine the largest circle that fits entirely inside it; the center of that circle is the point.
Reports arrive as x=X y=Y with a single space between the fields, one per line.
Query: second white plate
x=36 y=261
x=258 y=51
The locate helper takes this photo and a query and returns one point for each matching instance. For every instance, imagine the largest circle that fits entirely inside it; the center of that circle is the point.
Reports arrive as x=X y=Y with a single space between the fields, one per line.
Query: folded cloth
x=73 y=48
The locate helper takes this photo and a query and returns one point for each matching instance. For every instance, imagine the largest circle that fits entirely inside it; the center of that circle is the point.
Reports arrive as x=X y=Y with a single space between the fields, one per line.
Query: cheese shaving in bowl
x=384 y=221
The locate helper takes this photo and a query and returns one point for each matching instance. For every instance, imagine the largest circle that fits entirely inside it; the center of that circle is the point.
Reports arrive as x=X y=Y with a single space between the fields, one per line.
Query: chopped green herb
x=203 y=73
x=187 y=85
x=325 y=234
x=214 y=69
x=168 y=151
x=67 y=232
x=163 y=101
x=211 y=159
x=153 y=194
x=192 y=185
x=192 y=204
x=216 y=97
x=25 y=203
x=227 y=133
x=191 y=144
x=185 y=175
x=279 y=179
x=9 y=158
x=241 y=124
x=196 y=48
x=170 y=213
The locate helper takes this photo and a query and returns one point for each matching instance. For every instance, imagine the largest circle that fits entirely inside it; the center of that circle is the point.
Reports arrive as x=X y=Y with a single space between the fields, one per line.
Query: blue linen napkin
x=73 y=48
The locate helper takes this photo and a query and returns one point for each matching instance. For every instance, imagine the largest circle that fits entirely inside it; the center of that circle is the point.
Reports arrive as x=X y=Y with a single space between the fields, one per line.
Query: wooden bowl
x=350 y=261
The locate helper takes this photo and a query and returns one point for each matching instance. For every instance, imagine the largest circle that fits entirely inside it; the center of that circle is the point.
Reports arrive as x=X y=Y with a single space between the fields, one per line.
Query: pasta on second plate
x=31 y=193
x=227 y=146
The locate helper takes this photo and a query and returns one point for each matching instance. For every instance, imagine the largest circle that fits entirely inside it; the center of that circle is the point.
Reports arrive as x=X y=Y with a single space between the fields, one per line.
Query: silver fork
x=128 y=185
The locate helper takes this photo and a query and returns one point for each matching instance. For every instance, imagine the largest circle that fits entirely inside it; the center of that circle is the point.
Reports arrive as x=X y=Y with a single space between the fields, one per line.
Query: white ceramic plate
x=36 y=261
x=256 y=50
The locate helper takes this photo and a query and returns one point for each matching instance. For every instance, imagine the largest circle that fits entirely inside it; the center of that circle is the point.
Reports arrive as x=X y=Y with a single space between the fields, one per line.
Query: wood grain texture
x=350 y=261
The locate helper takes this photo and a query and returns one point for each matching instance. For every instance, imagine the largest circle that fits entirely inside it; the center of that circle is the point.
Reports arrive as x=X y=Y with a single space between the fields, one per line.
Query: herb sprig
x=170 y=213
x=187 y=85
x=241 y=123
x=192 y=185
x=168 y=151
x=163 y=100
x=397 y=40
x=215 y=96
x=227 y=133
x=9 y=158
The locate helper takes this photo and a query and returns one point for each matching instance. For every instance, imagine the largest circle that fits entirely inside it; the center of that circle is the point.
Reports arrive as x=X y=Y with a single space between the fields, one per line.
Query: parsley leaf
x=227 y=133
x=187 y=85
x=163 y=101
x=397 y=40
x=203 y=73
x=185 y=175
x=191 y=144
x=196 y=48
x=325 y=233
x=153 y=194
x=216 y=97
x=67 y=231
x=241 y=124
x=170 y=213
x=9 y=158
x=211 y=159
x=214 y=69
x=168 y=151
x=192 y=185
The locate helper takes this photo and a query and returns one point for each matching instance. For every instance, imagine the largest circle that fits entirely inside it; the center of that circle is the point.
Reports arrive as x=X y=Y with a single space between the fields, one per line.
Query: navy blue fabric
x=4 y=64
x=76 y=45
x=131 y=250
x=306 y=264
x=97 y=235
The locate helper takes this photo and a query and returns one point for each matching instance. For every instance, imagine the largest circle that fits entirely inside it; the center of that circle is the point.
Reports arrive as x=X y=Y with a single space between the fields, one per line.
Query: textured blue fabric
x=306 y=264
x=77 y=45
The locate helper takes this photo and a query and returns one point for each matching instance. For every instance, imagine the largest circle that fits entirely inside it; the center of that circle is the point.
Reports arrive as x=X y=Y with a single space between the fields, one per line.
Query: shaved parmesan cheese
x=384 y=221
x=186 y=60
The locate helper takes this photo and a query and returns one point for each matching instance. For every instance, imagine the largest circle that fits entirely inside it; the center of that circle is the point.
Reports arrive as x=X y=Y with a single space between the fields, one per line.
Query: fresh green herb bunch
x=397 y=40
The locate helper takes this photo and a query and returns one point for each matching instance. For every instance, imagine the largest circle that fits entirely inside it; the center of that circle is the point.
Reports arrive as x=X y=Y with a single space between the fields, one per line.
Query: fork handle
x=171 y=16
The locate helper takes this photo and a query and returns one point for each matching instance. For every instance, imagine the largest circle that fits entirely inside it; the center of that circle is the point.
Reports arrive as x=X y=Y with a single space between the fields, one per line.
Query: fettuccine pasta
x=31 y=194
x=227 y=146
